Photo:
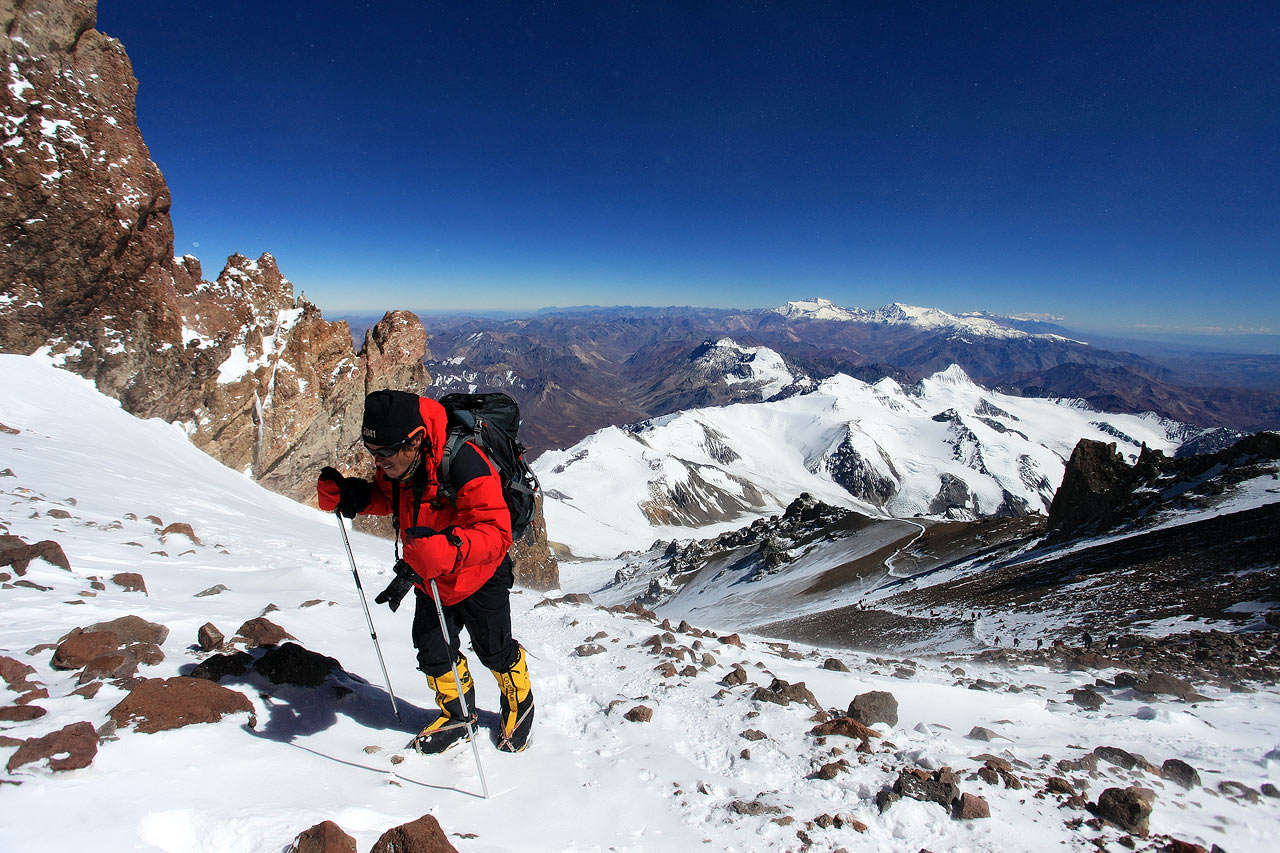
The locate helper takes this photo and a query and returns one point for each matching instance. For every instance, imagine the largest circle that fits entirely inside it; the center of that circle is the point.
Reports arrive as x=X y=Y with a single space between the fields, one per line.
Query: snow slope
x=87 y=475
x=608 y=493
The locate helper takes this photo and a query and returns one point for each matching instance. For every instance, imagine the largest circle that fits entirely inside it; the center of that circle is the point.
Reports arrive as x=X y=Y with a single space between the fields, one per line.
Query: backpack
x=490 y=421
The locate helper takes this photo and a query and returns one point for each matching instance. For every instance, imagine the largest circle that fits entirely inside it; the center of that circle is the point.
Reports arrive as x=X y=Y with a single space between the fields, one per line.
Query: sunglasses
x=392 y=449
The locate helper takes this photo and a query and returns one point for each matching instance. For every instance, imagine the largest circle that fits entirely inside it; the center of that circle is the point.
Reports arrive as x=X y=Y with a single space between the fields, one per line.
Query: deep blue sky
x=1114 y=164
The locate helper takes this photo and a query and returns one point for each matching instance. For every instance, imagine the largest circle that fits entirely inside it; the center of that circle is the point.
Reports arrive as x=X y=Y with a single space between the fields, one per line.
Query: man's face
x=398 y=463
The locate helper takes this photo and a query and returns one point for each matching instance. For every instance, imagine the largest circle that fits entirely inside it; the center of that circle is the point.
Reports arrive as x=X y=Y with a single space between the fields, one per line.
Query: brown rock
x=732 y=640
x=209 y=637
x=131 y=581
x=14 y=552
x=639 y=714
x=324 y=837
x=260 y=631
x=21 y=713
x=134 y=629
x=423 y=835
x=69 y=748
x=118 y=663
x=15 y=673
x=875 y=706
x=781 y=692
x=80 y=647
x=845 y=727
x=1127 y=808
x=181 y=528
x=971 y=807
x=160 y=704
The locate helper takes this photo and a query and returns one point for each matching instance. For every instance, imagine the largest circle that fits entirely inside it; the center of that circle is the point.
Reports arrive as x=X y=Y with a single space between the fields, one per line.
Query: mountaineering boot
x=452 y=725
x=516 y=706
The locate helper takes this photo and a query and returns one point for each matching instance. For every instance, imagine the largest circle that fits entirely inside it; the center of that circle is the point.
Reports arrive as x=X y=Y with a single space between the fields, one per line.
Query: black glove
x=352 y=493
x=398 y=588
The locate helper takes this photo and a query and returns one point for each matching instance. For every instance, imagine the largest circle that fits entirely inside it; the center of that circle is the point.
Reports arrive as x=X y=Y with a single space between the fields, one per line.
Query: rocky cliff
x=256 y=375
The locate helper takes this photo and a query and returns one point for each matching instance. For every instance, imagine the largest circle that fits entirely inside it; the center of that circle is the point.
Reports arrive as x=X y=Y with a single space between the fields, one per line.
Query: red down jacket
x=478 y=520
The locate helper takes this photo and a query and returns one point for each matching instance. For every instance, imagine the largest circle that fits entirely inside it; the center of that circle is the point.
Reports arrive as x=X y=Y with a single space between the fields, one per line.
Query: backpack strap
x=419 y=487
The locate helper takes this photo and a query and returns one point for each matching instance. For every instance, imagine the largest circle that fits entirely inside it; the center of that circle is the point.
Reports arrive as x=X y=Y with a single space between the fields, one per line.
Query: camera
x=399 y=586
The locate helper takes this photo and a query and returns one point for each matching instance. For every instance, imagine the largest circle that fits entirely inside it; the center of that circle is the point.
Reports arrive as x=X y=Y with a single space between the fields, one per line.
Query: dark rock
x=423 y=835
x=589 y=649
x=927 y=787
x=1095 y=482
x=260 y=631
x=160 y=704
x=754 y=734
x=835 y=664
x=292 y=664
x=1127 y=808
x=218 y=667
x=780 y=692
x=1159 y=683
x=209 y=637
x=1115 y=755
x=1088 y=698
x=754 y=808
x=69 y=748
x=735 y=676
x=324 y=837
x=875 y=706
x=216 y=589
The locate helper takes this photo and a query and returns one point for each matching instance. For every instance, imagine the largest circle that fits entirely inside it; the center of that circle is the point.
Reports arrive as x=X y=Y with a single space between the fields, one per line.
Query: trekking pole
x=368 y=617
x=462 y=699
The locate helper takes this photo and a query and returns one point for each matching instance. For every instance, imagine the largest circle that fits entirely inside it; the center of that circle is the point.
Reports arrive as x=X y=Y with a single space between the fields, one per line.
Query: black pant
x=486 y=614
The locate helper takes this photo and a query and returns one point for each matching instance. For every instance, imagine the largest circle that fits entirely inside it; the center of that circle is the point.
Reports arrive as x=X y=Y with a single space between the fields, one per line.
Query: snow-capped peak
x=901 y=314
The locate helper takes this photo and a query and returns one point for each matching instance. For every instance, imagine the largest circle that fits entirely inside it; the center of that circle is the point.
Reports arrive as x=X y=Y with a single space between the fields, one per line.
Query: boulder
x=160 y=704
x=423 y=835
x=218 y=667
x=80 y=647
x=260 y=631
x=1127 y=808
x=324 y=837
x=781 y=692
x=134 y=629
x=1180 y=772
x=14 y=552
x=845 y=727
x=639 y=714
x=69 y=748
x=209 y=637
x=971 y=807
x=875 y=706
x=292 y=664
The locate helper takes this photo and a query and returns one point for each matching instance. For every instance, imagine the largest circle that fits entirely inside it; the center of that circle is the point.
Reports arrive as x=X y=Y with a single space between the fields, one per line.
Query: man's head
x=393 y=431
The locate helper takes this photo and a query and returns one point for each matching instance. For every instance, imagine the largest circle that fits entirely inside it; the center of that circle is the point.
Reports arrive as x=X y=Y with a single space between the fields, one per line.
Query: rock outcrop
x=88 y=278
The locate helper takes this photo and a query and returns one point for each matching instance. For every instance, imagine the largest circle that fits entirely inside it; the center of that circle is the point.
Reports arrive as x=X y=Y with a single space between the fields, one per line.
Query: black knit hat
x=390 y=417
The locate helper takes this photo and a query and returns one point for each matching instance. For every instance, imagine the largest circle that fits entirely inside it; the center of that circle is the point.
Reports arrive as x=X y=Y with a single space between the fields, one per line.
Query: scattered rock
x=1115 y=755
x=983 y=733
x=217 y=667
x=971 y=807
x=14 y=552
x=181 y=528
x=835 y=664
x=118 y=663
x=1088 y=698
x=1127 y=808
x=937 y=787
x=292 y=664
x=589 y=649
x=324 y=837
x=1161 y=684
x=131 y=581
x=69 y=748
x=754 y=808
x=732 y=640
x=134 y=629
x=80 y=647
x=780 y=692
x=876 y=706
x=209 y=637
x=160 y=704
x=735 y=677
x=216 y=589
x=423 y=835
x=15 y=673
x=845 y=727
x=261 y=632
x=754 y=734
x=21 y=713
x=640 y=714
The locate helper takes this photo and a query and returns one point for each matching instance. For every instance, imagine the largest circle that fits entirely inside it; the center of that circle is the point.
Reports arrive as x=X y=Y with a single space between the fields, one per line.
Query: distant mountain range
x=578 y=370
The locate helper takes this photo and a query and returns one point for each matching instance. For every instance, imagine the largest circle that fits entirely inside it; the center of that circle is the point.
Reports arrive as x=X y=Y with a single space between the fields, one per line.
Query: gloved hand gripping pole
x=462 y=697
x=368 y=617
